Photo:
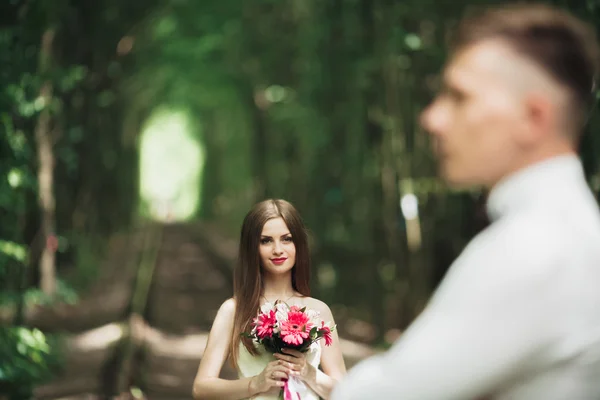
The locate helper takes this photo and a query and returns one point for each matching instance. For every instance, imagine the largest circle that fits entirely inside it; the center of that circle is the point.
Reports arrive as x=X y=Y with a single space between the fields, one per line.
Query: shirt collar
x=533 y=184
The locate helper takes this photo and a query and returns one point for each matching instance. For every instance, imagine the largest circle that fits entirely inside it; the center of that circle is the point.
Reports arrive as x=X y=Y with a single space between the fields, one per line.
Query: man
x=518 y=313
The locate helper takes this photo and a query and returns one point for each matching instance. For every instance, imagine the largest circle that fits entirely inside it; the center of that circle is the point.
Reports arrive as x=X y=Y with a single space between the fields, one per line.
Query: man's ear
x=540 y=117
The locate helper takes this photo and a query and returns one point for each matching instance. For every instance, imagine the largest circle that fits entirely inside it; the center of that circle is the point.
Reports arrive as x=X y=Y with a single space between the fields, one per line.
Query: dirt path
x=112 y=346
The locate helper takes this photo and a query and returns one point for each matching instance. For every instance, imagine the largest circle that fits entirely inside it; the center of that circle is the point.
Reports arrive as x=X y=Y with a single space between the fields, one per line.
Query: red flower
x=326 y=334
x=296 y=328
x=264 y=324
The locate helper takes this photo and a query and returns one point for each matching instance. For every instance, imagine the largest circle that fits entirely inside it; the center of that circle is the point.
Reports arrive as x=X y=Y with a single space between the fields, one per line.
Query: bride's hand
x=272 y=376
x=296 y=362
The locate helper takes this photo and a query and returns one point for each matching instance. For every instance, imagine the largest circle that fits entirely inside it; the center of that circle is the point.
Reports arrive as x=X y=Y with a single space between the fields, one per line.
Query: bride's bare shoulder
x=227 y=309
x=317 y=305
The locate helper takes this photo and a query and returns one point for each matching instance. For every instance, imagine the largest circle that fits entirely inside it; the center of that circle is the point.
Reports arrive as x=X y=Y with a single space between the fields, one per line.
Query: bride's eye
x=287 y=239
x=265 y=240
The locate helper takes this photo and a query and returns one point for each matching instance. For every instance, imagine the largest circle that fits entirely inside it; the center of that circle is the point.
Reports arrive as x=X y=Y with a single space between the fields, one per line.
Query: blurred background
x=135 y=135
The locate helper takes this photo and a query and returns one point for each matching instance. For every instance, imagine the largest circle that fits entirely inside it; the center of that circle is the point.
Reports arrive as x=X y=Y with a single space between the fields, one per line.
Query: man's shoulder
x=521 y=245
x=548 y=229
x=511 y=253
x=531 y=230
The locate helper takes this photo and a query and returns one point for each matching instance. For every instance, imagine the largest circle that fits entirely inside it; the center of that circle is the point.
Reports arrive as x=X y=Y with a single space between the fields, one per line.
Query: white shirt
x=518 y=314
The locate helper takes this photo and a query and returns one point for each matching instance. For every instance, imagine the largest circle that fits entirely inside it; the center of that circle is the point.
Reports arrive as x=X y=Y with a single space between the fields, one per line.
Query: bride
x=273 y=264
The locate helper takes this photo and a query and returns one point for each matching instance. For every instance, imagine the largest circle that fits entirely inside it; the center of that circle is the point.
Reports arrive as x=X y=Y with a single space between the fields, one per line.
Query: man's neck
x=533 y=158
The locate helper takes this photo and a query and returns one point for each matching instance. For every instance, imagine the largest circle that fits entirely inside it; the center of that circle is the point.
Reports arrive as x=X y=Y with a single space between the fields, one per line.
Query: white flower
x=254 y=321
x=282 y=312
x=328 y=324
x=266 y=307
x=314 y=317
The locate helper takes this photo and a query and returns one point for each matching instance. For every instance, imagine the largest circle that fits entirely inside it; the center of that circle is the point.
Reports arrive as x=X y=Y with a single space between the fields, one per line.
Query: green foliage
x=16 y=251
x=313 y=102
x=86 y=132
x=319 y=104
x=27 y=358
x=89 y=251
x=65 y=293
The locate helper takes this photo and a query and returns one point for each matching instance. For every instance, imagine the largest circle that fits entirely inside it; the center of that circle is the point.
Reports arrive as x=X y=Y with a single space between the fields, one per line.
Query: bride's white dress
x=249 y=365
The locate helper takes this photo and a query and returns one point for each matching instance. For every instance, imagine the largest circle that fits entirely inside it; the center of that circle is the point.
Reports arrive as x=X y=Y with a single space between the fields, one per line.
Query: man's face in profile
x=477 y=118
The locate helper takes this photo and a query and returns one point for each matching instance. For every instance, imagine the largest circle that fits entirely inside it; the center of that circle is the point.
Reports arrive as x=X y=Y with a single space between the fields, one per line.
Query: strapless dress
x=249 y=365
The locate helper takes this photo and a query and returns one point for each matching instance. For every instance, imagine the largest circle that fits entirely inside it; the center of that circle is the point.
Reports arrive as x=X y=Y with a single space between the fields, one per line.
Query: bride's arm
x=207 y=384
x=332 y=361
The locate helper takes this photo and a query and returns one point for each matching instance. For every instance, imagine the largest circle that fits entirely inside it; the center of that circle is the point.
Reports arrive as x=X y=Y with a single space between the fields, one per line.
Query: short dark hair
x=563 y=45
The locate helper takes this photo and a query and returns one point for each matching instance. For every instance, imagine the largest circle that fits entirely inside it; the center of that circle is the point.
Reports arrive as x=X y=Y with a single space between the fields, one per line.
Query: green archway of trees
x=315 y=102
x=171 y=167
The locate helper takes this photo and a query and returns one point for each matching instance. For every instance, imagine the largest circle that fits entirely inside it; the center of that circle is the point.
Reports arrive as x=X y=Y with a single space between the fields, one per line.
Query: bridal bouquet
x=280 y=326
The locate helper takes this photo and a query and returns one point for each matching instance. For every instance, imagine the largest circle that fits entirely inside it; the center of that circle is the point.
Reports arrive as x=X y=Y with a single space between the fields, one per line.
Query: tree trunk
x=46 y=171
x=261 y=178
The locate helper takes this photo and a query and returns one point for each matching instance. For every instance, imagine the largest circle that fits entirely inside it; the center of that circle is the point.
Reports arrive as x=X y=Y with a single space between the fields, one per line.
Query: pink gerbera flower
x=296 y=328
x=265 y=322
x=326 y=334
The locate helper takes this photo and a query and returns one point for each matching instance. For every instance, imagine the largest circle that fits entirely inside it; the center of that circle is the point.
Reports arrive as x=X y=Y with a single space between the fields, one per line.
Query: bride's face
x=277 y=249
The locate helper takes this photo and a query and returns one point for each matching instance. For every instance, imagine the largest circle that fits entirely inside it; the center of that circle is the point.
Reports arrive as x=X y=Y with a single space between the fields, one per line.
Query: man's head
x=517 y=90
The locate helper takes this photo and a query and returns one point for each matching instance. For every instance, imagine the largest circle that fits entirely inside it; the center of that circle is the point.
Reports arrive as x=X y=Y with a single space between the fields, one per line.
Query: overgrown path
x=144 y=323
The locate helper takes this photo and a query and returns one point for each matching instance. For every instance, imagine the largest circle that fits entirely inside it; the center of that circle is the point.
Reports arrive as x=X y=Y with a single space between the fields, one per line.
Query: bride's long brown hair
x=248 y=283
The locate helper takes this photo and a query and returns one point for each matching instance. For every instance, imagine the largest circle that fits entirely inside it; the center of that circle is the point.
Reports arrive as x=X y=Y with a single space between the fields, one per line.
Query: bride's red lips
x=278 y=260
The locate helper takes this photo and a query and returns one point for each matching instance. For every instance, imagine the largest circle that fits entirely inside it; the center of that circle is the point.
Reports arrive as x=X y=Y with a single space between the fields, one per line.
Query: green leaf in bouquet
x=314 y=332
x=271 y=345
x=303 y=348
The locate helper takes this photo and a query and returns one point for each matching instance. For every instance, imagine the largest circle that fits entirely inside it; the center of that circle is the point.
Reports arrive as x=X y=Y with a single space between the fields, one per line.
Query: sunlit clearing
x=186 y=346
x=98 y=338
x=410 y=209
x=171 y=165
